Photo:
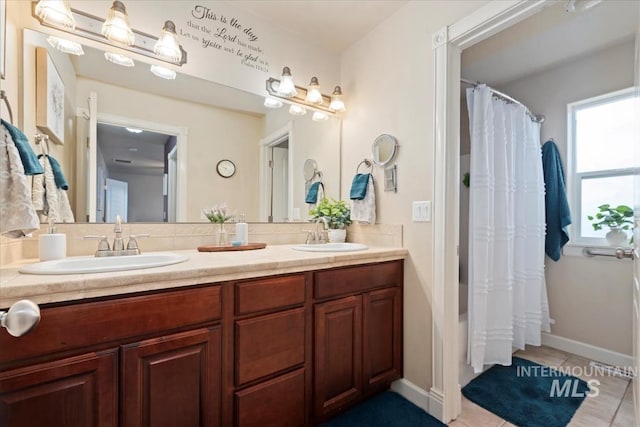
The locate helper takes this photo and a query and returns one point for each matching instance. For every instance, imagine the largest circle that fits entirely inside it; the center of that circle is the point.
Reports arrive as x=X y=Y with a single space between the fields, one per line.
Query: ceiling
x=548 y=39
x=334 y=25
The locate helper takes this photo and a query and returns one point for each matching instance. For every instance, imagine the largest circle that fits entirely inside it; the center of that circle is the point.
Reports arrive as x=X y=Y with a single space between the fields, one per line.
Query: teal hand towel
x=58 y=176
x=312 y=194
x=29 y=159
x=558 y=215
x=359 y=186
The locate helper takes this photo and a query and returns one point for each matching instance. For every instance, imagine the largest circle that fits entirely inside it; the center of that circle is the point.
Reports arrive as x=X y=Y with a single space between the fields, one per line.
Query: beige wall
x=388 y=75
x=590 y=298
x=214 y=134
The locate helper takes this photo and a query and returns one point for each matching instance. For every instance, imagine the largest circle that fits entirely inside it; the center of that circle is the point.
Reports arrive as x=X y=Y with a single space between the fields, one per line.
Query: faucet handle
x=323 y=236
x=103 y=245
x=133 y=242
x=311 y=238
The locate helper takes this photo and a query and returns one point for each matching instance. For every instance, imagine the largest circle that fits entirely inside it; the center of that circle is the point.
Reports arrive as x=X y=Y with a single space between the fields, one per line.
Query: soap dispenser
x=52 y=245
x=242 y=231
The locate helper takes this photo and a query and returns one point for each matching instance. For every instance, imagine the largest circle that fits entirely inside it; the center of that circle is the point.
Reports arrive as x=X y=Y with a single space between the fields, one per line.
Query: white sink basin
x=103 y=264
x=332 y=247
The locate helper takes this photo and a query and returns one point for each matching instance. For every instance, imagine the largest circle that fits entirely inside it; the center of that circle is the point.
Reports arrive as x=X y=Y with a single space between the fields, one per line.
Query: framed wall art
x=49 y=97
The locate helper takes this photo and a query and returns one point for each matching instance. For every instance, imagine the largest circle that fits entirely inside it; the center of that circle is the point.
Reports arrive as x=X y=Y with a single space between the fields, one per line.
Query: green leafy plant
x=618 y=217
x=336 y=212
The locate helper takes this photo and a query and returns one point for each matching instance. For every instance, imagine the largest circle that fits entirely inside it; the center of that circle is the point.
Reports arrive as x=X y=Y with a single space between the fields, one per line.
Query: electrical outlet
x=421 y=211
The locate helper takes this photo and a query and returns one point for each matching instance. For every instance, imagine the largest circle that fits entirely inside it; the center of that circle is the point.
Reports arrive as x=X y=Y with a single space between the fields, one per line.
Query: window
x=601 y=159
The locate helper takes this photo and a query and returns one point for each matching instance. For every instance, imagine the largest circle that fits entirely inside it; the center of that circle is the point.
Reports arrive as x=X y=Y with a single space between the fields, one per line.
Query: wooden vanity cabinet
x=278 y=351
x=358 y=337
x=145 y=360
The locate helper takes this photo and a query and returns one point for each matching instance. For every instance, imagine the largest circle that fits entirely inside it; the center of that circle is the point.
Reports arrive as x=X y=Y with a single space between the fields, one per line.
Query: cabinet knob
x=22 y=318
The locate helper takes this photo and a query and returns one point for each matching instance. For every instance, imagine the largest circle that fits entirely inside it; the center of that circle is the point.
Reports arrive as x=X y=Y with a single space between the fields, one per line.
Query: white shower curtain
x=508 y=304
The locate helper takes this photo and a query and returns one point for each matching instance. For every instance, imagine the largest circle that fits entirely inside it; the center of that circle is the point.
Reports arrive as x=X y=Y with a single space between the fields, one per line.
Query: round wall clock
x=226 y=168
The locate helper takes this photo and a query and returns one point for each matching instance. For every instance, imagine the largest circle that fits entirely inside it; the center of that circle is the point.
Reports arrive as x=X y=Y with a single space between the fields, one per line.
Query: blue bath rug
x=528 y=394
x=387 y=409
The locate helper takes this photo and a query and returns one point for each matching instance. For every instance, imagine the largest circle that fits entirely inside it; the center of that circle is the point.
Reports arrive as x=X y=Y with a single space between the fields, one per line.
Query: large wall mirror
x=156 y=143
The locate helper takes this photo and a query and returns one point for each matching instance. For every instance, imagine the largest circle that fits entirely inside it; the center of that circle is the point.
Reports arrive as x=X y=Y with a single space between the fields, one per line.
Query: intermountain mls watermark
x=563 y=385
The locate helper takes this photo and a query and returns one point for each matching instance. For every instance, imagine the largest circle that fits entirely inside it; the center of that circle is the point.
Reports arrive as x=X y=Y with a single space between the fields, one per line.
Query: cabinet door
x=172 y=380
x=338 y=353
x=78 y=391
x=382 y=337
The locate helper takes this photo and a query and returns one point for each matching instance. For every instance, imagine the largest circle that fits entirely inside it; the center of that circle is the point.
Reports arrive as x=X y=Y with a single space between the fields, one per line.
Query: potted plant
x=338 y=216
x=618 y=219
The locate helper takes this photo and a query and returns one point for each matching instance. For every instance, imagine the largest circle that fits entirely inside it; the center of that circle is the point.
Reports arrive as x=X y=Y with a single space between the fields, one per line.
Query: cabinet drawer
x=92 y=324
x=266 y=294
x=275 y=403
x=268 y=344
x=350 y=280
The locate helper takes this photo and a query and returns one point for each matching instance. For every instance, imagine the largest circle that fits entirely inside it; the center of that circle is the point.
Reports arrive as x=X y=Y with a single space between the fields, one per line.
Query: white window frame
x=574 y=179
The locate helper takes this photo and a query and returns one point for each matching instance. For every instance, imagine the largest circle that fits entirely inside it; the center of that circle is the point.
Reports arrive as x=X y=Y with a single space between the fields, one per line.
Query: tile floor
x=613 y=407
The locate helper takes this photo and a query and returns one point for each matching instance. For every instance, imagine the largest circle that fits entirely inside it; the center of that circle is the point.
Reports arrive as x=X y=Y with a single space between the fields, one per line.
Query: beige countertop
x=200 y=268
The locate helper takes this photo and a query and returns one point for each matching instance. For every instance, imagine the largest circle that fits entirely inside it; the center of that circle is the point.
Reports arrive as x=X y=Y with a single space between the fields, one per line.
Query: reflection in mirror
x=209 y=122
x=310 y=169
x=384 y=150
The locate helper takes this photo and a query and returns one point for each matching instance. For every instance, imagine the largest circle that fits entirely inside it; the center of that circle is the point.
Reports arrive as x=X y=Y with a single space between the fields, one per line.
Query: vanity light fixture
x=66 y=46
x=270 y=102
x=319 y=116
x=56 y=13
x=134 y=130
x=117 y=28
x=286 y=87
x=302 y=98
x=167 y=46
x=114 y=31
x=314 y=96
x=119 y=59
x=297 y=110
x=337 y=104
x=162 y=72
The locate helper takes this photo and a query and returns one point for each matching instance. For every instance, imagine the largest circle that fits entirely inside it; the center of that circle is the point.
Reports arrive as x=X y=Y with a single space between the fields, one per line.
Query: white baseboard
x=412 y=393
x=587 y=351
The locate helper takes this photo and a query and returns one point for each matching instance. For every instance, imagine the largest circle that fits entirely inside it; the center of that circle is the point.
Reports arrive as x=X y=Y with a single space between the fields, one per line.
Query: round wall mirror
x=384 y=150
x=309 y=169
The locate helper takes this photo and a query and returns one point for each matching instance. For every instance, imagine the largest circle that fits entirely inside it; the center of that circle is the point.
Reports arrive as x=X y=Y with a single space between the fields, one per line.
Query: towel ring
x=3 y=96
x=366 y=162
x=39 y=138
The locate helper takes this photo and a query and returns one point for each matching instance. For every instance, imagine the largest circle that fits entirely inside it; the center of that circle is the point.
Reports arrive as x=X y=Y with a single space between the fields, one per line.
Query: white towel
x=365 y=210
x=49 y=200
x=18 y=218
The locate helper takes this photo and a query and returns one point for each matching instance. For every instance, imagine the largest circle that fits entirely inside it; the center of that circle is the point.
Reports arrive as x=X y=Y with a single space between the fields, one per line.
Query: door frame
x=181 y=134
x=274 y=138
x=445 y=398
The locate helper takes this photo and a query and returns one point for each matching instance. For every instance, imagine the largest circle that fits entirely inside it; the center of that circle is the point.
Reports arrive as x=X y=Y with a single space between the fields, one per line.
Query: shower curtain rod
x=534 y=117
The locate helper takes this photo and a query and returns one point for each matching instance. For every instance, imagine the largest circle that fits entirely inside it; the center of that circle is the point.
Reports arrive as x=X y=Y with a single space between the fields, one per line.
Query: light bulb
x=163 y=72
x=319 y=116
x=119 y=59
x=337 y=104
x=313 y=92
x=56 y=13
x=270 y=102
x=167 y=46
x=286 y=86
x=117 y=27
x=297 y=110
x=66 y=46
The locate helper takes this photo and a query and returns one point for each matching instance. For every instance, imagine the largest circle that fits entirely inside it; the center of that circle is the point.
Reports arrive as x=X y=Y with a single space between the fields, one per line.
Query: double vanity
x=274 y=337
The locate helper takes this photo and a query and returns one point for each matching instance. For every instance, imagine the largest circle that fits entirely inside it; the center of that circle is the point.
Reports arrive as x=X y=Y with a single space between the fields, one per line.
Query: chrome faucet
x=118 y=244
x=315 y=237
x=118 y=248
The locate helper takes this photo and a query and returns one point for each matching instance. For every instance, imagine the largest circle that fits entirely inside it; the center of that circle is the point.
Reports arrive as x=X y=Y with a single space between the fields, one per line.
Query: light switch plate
x=421 y=211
